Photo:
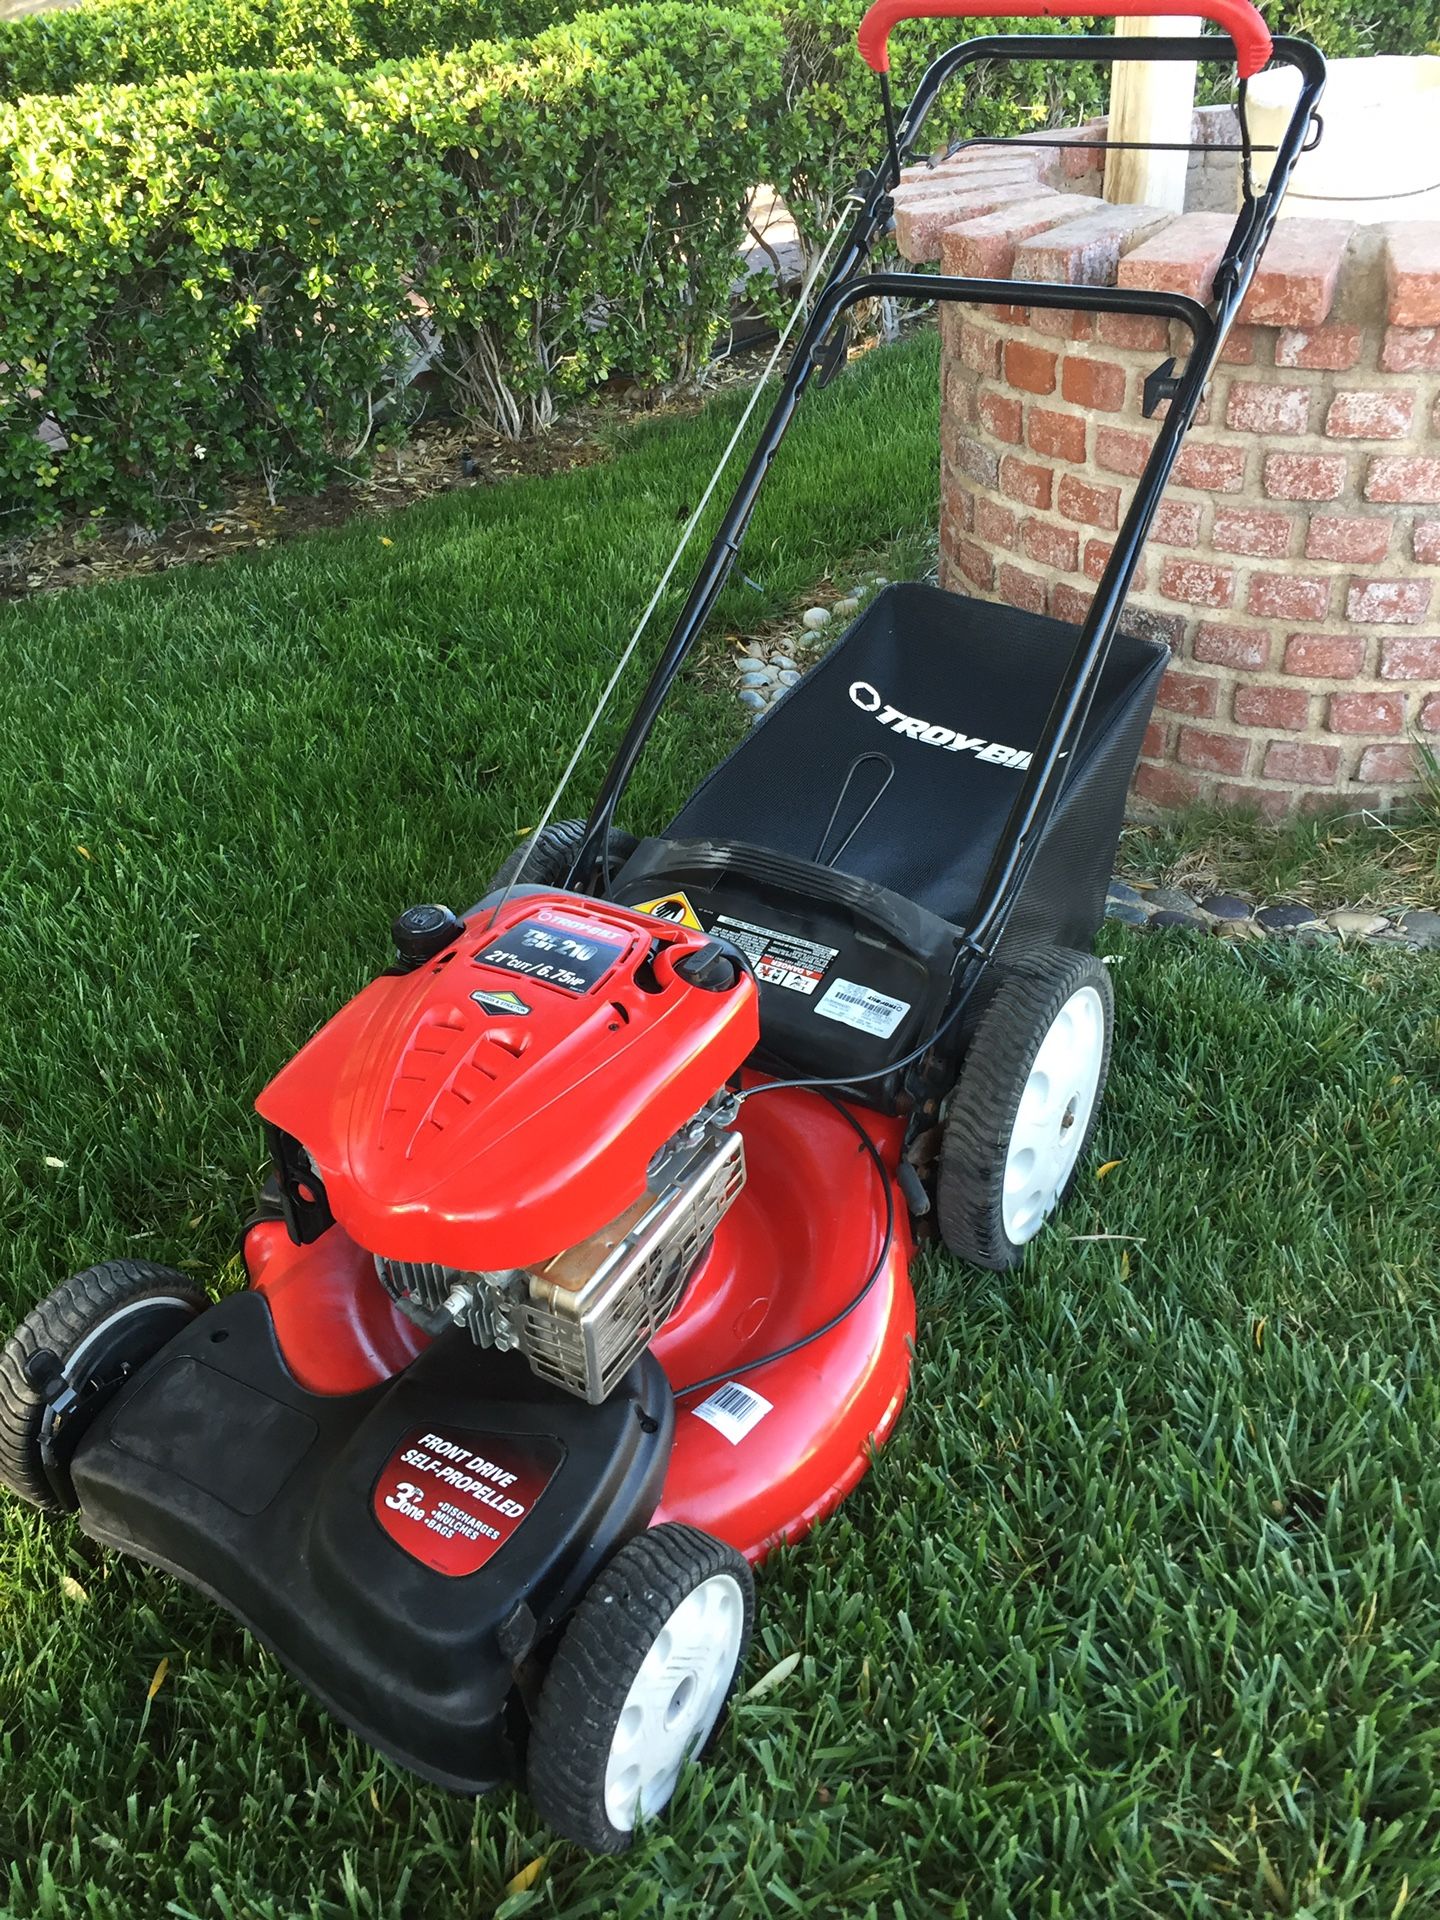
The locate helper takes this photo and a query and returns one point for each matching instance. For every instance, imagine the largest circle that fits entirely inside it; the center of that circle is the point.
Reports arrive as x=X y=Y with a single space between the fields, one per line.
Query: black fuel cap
x=716 y=966
x=422 y=932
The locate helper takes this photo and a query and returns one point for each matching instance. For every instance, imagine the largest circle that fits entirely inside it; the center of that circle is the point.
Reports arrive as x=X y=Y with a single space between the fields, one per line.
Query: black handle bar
x=849 y=283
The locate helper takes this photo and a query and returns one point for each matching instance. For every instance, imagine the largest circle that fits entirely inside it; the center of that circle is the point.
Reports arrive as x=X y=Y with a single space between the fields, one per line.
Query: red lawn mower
x=581 y=1278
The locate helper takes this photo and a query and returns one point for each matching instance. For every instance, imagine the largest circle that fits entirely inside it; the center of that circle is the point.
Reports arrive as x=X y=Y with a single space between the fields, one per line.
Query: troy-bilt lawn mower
x=581 y=1278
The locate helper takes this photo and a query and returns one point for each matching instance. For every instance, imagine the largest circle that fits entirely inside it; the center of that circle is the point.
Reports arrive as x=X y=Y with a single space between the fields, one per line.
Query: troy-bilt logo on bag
x=451 y=1499
x=870 y=700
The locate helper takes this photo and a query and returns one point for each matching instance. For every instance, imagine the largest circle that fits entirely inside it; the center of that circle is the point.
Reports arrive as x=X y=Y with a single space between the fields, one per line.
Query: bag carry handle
x=1239 y=19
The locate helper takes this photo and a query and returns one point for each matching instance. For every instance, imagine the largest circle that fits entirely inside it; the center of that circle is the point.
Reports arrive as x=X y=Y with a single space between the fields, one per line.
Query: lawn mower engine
x=498 y=1159
x=583 y=1317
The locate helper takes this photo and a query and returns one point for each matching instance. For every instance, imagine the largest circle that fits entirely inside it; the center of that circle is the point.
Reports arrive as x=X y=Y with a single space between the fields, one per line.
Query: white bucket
x=1379 y=155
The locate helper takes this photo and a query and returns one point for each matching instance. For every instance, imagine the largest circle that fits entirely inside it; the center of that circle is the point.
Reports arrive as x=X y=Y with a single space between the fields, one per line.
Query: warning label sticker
x=779 y=959
x=675 y=907
x=452 y=1499
x=862 y=1008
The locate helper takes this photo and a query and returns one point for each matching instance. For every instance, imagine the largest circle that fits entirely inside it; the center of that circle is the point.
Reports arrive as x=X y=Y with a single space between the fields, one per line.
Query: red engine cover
x=504 y=1101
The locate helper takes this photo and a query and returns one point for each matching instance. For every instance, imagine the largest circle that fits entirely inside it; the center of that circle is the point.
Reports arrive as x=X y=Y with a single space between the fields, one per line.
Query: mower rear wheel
x=1025 y=1108
x=639 y=1684
x=101 y=1325
x=548 y=862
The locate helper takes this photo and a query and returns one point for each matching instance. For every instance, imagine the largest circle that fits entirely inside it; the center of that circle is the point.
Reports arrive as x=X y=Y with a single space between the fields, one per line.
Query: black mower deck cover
x=215 y=1465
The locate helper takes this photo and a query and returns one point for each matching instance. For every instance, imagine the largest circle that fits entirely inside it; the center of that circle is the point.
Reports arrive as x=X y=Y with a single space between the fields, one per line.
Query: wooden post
x=1151 y=100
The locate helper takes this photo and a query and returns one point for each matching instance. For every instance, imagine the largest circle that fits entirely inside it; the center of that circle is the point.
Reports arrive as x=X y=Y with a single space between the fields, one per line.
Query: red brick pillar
x=1293 y=566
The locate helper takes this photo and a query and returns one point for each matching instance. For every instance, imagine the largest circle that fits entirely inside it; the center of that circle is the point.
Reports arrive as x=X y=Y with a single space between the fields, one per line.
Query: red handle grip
x=1237 y=17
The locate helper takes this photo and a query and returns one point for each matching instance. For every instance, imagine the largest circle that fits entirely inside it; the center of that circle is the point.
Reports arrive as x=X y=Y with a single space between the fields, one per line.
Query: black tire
x=618 y=1621
x=95 y=1315
x=985 y=1105
x=548 y=861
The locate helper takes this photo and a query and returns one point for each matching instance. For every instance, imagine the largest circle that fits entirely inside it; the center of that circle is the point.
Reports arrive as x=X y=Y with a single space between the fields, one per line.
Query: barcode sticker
x=733 y=1410
x=862 y=1007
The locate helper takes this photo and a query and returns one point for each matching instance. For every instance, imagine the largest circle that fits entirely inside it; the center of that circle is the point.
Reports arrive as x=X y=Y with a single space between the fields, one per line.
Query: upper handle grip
x=1239 y=19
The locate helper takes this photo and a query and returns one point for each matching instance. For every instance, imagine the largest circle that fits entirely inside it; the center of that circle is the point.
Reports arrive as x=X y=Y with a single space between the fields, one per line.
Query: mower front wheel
x=1024 y=1110
x=639 y=1684
x=100 y=1325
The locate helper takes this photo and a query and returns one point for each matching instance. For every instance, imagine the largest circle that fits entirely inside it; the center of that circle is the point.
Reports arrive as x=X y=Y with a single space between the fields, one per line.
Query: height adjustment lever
x=831 y=354
x=1162 y=384
x=45 y=1374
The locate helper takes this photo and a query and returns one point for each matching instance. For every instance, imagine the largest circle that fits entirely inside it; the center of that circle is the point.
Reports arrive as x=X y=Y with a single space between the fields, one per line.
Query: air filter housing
x=582 y=1317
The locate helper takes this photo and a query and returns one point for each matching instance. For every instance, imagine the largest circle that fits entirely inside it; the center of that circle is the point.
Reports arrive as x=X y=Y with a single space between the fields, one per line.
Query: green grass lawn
x=1325 y=860
x=1138 y=1615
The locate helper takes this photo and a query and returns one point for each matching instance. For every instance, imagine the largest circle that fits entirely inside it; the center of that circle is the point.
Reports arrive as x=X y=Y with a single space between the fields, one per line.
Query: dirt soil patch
x=438 y=456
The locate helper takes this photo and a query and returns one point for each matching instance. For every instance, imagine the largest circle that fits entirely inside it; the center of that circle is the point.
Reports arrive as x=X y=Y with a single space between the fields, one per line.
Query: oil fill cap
x=422 y=932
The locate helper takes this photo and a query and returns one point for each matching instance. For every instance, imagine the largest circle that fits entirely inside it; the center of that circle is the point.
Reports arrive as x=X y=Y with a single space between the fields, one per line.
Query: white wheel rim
x=1054 y=1115
x=674 y=1700
x=78 y=1359
x=76 y=1363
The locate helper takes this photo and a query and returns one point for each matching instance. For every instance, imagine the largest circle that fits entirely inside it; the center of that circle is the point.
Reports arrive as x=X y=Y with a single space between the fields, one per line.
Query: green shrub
x=134 y=41
x=1341 y=29
x=403 y=29
x=128 y=41
x=221 y=275
x=830 y=127
x=831 y=95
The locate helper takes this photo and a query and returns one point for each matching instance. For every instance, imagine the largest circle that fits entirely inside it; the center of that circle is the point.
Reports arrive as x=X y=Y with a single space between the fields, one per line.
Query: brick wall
x=1294 y=566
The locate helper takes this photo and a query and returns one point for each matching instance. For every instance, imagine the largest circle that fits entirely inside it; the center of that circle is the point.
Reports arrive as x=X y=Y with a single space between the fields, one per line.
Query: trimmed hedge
x=139 y=40
x=824 y=134
x=830 y=127
x=214 y=275
x=237 y=271
x=129 y=42
x=829 y=94
x=1343 y=29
